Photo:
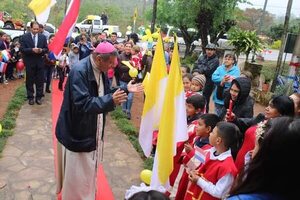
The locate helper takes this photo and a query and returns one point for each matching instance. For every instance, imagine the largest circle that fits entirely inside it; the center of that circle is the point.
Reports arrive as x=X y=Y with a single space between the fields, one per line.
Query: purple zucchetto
x=105 y=47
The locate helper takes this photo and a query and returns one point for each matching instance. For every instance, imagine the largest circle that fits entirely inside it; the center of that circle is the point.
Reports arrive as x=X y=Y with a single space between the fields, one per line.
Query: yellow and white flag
x=154 y=92
x=41 y=9
x=173 y=124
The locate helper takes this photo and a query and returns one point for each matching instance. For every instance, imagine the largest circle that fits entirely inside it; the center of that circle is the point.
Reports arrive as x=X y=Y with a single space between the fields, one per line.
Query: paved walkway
x=27 y=162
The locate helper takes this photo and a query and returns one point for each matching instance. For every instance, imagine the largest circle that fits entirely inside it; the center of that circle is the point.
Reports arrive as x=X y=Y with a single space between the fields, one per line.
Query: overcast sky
x=277 y=7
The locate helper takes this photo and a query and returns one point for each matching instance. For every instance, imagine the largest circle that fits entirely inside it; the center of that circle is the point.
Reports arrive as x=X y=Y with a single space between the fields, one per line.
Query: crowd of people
x=229 y=144
x=230 y=153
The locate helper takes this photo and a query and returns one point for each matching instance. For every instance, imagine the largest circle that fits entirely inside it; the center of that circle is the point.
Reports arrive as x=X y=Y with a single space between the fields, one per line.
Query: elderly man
x=80 y=126
x=207 y=64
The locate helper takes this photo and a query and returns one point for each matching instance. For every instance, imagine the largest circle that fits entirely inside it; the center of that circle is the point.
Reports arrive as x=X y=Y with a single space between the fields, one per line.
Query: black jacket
x=207 y=66
x=77 y=122
x=243 y=106
x=122 y=70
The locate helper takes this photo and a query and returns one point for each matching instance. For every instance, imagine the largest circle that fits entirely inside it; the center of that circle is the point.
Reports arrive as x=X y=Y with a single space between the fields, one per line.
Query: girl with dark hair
x=274 y=165
x=238 y=96
x=278 y=106
x=215 y=177
x=187 y=82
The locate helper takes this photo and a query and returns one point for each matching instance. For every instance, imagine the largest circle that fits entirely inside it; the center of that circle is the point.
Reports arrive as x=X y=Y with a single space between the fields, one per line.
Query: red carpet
x=104 y=191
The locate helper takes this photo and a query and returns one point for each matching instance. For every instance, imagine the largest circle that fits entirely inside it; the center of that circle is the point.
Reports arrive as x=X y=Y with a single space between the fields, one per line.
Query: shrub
x=126 y=127
x=6 y=133
x=118 y=113
x=190 y=60
x=245 y=42
x=8 y=123
x=276 y=44
x=148 y=163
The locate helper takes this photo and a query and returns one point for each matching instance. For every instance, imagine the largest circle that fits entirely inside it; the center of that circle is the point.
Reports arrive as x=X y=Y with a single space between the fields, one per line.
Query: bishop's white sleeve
x=218 y=190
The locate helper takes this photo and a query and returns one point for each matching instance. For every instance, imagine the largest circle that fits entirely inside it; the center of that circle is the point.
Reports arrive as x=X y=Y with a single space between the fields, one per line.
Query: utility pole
x=283 y=41
x=153 y=16
x=66 y=5
x=262 y=17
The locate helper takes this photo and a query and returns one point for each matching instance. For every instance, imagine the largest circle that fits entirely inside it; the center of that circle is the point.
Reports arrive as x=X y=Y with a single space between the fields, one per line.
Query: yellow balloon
x=133 y=72
x=144 y=38
x=146 y=175
x=155 y=35
x=0 y=128
x=148 y=32
x=150 y=39
x=166 y=39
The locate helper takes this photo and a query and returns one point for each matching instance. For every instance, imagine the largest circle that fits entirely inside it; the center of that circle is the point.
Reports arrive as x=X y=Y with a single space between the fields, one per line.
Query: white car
x=50 y=28
x=112 y=28
x=223 y=42
x=92 y=23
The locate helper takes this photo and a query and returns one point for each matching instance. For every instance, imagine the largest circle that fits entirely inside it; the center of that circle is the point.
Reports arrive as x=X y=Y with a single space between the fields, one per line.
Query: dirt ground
x=137 y=109
x=7 y=91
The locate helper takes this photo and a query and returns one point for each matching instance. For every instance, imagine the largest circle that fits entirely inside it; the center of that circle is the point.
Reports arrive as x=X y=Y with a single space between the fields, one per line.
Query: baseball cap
x=211 y=46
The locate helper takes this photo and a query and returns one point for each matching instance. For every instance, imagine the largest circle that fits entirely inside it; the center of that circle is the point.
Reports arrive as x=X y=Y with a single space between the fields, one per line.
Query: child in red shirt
x=206 y=123
x=215 y=177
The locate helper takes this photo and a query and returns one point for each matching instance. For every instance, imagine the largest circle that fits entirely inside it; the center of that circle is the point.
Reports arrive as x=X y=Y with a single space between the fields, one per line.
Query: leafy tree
x=276 y=31
x=245 y=42
x=120 y=12
x=209 y=17
x=18 y=9
x=180 y=14
x=251 y=18
x=215 y=19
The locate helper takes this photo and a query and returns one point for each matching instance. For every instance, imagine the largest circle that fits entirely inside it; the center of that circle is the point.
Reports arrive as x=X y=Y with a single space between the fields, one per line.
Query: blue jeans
x=126 y=106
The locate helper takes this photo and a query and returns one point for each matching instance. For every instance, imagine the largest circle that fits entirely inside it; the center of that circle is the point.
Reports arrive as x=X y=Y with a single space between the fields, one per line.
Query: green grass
x=125 y=126
x=9 y=119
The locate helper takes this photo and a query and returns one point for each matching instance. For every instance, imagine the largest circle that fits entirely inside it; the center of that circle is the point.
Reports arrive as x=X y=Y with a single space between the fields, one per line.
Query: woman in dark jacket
x=239 y=94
